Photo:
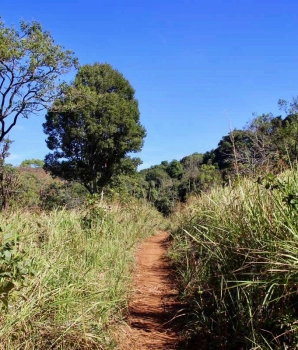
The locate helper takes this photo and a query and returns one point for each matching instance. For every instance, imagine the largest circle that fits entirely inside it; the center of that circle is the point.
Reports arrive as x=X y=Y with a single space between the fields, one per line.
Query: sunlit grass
x=81 y=264
x=236 y=251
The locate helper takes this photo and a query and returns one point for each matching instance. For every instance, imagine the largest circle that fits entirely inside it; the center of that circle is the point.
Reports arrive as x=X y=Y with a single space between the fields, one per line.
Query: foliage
x=32 y=182
x=235 y=253
x=160 y=186
x=59 y=194
x=9 y=181
x=266 y=144
x=32 y=163
x=166 y=184
x=93 y=127
x=234 y=146
x=82 y=277
x=30 y=64
x=34 y=189
x=13 y=269
x=175 y=169
x=287 y=138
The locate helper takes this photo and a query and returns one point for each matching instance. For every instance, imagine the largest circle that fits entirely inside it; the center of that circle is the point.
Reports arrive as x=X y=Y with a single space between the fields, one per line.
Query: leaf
x=7 y=255
x=9 y=237
x=5 y=274
x=4 y=301
x=6 y=287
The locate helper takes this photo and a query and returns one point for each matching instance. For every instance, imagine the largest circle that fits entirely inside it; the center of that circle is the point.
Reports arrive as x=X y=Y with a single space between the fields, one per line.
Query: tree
x=263 y=153
x=93 y=127
x=193 y=162
x=175 y=169
x=32 y=163
x=30 y=64
x=288 y=133
x=287 y=138
x=190 y=179
x=230 y=147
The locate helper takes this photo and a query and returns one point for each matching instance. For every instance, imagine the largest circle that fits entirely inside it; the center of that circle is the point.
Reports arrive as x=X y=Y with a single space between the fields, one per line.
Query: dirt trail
x=153 y=306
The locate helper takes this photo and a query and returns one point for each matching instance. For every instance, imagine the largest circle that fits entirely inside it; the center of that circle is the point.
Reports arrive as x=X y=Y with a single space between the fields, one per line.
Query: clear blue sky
x=189 y=62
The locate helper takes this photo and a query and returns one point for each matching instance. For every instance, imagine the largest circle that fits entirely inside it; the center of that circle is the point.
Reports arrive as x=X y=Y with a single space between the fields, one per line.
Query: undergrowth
x=65 y=275
x=236 y=256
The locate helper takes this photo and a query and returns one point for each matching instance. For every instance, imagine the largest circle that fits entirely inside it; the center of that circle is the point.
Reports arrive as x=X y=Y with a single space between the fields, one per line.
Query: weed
x=242 y=287
x=82 y=274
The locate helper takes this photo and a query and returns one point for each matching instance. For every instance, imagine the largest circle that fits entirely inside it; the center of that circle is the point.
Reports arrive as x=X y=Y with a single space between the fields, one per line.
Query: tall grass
x=79 y=266
x=236 y=253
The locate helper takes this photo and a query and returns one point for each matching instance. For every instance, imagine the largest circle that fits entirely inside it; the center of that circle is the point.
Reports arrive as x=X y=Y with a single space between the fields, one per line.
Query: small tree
x=30 y=64
x=93 y=127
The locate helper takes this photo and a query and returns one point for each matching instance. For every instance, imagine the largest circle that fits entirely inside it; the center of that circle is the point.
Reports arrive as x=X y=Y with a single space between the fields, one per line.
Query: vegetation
x=65 y=275
x=266 y=144
x=236 y=256
x=32 y=163
x=32 y=188
x=93 y=128
x=66 y=257
x=30 y=64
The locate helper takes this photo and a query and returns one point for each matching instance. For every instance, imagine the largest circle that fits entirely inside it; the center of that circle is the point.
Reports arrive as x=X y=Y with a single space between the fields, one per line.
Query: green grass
x=78 y=268
x=236 y=254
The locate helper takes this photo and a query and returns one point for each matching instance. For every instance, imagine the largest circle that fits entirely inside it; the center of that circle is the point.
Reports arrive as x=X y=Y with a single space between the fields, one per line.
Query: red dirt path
x=153 y=304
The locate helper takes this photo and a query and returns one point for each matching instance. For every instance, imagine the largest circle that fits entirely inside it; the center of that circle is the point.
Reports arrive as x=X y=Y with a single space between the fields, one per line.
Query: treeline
x=266 y=144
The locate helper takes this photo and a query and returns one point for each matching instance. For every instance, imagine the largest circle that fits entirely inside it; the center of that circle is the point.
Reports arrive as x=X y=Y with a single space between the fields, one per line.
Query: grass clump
x=236 y=254
x=79 y=266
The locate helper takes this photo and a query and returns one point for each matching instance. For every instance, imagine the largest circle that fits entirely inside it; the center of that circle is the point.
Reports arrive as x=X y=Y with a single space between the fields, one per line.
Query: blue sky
x=191 y=62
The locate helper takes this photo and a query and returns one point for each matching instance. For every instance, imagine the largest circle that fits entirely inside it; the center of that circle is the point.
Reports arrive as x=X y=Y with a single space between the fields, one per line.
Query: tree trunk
x=94 y=187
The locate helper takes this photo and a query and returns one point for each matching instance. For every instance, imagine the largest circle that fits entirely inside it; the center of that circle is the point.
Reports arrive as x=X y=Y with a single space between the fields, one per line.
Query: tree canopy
x=30 y=63
x=93 y=127
x=32 y=163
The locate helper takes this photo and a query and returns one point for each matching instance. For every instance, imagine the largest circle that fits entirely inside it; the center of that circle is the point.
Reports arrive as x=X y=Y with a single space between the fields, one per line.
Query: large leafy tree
x=93 y=127
x=30 y=63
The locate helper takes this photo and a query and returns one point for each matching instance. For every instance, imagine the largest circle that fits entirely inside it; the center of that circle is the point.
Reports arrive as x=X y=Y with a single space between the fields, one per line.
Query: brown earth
x=153 y=309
